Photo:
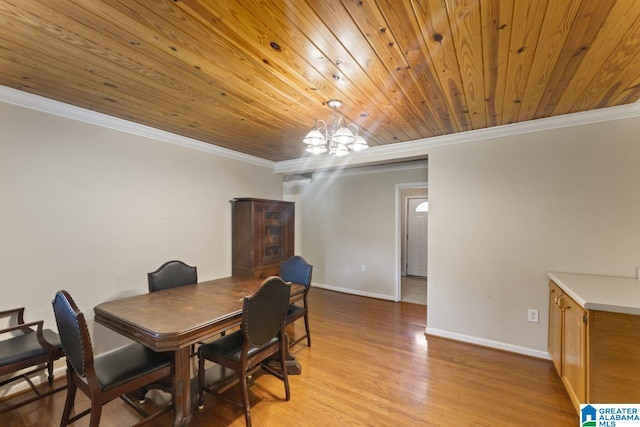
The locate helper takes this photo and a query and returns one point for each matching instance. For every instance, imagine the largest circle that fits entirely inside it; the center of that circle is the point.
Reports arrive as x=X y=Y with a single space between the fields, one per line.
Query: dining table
x=172 y=320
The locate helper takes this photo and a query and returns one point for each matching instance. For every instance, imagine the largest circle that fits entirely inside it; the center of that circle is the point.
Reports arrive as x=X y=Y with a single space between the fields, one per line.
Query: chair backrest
x=263 y=313
x=296 y=270
x=172 y=274
x=73 y=331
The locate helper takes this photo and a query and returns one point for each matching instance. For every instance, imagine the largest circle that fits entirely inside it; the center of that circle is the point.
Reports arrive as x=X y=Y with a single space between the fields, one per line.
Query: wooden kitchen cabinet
x=262 y=236
x=568 y=343
x=594 y=337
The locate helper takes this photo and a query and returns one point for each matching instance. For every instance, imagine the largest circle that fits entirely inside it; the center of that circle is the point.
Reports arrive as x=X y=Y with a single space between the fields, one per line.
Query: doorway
x=412 y=215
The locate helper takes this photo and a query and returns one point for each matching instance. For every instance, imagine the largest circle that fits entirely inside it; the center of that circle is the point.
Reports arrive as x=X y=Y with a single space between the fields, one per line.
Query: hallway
x=413 y=289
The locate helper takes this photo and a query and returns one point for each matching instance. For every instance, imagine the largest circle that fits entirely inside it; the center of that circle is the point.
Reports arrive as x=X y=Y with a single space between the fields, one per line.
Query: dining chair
x=297 y=270
x=260 y=337
x=172 y=274
x=107 y=376
x=26 y=348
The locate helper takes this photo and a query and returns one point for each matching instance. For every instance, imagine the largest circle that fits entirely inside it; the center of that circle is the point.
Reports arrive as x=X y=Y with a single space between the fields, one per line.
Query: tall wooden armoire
x=262 y=236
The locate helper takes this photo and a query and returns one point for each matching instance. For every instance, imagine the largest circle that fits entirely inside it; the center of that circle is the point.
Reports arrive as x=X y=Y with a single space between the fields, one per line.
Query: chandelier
x=336 y=136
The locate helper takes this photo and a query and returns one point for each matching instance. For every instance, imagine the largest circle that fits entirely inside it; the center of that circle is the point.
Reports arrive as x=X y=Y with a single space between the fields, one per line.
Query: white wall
x=92 y=210
x=504 y=212
x=350 y=219
x=297 y=231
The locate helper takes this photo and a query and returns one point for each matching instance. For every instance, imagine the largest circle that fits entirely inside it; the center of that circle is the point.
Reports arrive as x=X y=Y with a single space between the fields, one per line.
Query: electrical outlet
x=533 y=315
x=363 y=268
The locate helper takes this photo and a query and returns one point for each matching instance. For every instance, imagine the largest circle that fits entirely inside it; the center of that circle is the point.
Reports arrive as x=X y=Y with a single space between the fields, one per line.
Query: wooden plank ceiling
x=253 y=75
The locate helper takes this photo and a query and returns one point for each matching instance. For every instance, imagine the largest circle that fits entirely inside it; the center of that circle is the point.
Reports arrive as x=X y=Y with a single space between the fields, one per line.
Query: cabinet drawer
x=264 y=272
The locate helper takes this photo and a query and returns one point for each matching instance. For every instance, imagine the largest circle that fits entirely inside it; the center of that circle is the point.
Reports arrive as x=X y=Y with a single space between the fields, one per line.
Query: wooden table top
x=174 y=318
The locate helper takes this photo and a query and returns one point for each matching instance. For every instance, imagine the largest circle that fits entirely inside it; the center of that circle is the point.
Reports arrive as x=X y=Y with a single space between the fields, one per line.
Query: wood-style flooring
x=371 y=365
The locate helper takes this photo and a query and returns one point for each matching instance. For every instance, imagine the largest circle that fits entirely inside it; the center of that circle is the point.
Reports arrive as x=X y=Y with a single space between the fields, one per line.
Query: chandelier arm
x=355 y=127
x=324 y=125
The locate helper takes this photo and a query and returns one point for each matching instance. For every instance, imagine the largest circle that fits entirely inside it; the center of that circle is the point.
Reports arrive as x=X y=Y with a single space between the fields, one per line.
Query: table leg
x=291 y=363
x=181 y=387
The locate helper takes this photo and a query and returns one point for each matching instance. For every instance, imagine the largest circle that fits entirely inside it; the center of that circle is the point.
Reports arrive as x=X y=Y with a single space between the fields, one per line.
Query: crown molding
x=58 y=108
x=296 y=183
x=420 y=148
x=398 y=152
x=332 y=174
x=363 y=170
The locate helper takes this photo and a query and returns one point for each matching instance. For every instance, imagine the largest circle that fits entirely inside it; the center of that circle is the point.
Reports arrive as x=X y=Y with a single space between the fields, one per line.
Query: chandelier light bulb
x=315 y=137
x=343 y=136
x=316 y=149
x=359 y=144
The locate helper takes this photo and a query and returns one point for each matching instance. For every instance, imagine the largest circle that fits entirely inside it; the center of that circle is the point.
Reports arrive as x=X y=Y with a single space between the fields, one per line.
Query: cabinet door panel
x=574 y=351
x=273 y=228
x=273 y=236
x=555 y=327
x=262 y=236
x=614 y=357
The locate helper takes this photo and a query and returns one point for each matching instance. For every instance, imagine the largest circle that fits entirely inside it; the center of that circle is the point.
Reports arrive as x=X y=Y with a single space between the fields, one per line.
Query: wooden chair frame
x=89 y=384
x=41 y=361
x=297 y=311
x=248 y=362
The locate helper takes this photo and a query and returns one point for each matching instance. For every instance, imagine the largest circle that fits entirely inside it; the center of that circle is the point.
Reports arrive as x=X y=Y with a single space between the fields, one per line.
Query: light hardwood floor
x=371 y=365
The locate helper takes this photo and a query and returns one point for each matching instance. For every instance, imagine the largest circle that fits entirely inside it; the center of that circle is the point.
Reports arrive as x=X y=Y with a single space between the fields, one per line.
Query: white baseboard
x=488 y=343
x=353 y=291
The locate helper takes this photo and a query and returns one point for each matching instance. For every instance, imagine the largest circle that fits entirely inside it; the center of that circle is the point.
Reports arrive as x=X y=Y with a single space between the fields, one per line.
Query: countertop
x=604 y=293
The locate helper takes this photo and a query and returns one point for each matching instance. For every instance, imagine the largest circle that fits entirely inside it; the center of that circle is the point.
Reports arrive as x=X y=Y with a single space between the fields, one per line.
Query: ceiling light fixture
x=336 y=137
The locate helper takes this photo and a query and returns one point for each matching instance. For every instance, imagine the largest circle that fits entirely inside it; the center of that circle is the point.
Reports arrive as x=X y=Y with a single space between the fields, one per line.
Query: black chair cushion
x=127 y=363
x=26 y=346
x=230 y=347
x=295 y=311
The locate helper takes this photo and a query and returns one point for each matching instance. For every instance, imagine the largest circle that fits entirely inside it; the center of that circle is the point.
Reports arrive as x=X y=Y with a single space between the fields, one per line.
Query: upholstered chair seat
x=295 y=311
x=26 y=349
x=230 y=347
x=26 y=346
x=127 y=363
